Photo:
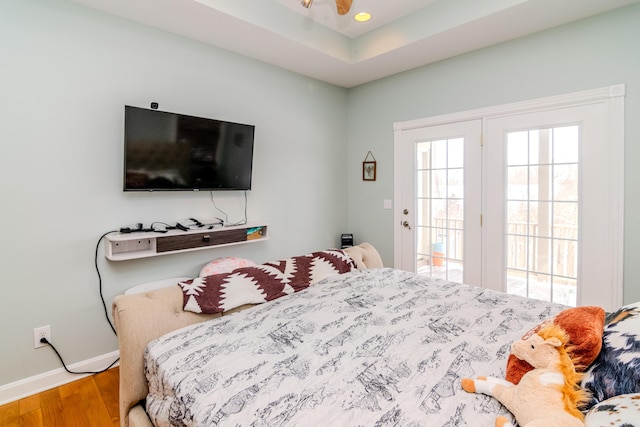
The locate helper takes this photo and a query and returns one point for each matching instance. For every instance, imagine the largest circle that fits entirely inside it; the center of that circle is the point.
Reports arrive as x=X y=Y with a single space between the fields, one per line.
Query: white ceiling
x=317 y=42
x=382 y=12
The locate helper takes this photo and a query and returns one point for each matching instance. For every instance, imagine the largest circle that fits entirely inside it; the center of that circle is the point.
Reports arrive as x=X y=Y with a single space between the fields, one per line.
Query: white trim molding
x=57 y=377
x=616 y=139
x=572 y=99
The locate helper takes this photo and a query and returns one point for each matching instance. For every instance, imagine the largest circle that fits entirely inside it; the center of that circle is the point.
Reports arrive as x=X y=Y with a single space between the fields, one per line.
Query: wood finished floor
x=91 y=401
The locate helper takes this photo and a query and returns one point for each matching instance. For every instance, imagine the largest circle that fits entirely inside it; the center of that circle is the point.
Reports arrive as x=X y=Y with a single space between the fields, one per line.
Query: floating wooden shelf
x=125 y=246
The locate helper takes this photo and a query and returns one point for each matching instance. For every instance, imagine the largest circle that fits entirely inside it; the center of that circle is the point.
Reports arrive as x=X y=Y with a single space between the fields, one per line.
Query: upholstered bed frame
x=142 y=317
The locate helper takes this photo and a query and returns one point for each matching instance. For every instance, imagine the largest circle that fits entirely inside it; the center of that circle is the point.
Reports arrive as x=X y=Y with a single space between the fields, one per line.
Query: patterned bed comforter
x=368 y=348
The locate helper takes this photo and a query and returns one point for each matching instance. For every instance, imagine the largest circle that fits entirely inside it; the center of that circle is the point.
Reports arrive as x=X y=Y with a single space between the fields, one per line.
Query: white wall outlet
x=387 y=204
x=41 y=332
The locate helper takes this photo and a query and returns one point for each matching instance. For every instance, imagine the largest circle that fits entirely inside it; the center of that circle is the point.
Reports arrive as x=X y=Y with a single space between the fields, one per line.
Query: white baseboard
x=47 y=380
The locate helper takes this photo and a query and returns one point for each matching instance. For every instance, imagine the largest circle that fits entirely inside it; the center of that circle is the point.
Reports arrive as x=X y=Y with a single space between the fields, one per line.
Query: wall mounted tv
x=175 y=152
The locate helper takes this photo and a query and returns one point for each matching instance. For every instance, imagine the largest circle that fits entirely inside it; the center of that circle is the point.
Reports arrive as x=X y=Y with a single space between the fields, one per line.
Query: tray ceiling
x=316 y=42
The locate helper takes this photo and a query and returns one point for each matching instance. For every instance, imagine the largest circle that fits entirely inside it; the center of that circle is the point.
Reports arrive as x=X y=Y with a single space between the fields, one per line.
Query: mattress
x=367 y=348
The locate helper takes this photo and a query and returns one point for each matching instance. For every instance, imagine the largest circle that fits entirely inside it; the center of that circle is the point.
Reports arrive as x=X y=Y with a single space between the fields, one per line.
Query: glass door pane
x=440 y=208
x=542 y=213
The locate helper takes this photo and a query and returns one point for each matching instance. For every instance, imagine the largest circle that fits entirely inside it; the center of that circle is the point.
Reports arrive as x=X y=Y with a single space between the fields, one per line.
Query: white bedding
x=367 y=348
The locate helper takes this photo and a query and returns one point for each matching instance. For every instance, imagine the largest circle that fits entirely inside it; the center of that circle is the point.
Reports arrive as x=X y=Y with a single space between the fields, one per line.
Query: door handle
x=406 y=225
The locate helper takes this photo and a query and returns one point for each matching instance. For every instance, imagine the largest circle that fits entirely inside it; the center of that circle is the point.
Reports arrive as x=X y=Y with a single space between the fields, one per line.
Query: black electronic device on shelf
x=347 y=240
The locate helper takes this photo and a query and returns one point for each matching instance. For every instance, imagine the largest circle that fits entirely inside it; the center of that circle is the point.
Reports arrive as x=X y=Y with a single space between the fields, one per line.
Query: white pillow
x=225 y=265
x=618 y=411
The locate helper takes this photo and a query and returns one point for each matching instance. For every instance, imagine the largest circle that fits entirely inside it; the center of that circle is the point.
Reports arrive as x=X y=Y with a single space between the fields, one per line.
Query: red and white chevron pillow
x=254 y=285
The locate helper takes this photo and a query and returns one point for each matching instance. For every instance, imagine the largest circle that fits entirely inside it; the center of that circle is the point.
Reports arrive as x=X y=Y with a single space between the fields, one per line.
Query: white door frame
x=612 y=96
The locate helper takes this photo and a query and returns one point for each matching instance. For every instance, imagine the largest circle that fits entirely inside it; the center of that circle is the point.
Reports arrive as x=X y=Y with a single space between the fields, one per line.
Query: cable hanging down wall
x=106 y=314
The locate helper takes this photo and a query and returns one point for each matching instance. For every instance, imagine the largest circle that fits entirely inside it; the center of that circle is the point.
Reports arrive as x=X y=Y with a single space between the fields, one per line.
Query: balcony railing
x=526 y=251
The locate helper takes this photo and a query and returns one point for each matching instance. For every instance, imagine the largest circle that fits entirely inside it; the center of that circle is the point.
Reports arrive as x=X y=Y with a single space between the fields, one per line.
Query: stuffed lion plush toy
x=547 y=396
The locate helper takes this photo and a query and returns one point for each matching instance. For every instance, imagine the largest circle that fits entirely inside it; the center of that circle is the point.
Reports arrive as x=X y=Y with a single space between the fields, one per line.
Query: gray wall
x=588 y=54
x=67 y=73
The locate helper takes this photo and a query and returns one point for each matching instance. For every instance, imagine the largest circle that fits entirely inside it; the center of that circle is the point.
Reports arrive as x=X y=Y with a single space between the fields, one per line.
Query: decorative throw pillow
x=618 y=411
x=616 y=371
x=225 y=265
x=254 y=285
x=584 y=325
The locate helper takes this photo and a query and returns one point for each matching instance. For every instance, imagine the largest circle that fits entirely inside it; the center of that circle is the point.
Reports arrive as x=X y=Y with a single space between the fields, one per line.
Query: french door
x=522 y=200
x=440 y=218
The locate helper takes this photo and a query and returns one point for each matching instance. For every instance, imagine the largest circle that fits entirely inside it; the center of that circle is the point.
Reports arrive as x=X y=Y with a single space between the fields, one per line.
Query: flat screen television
x=175 y=152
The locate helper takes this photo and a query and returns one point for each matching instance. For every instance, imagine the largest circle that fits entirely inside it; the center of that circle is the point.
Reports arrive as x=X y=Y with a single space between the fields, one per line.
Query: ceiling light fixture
x=362 y=16
x=343 y=6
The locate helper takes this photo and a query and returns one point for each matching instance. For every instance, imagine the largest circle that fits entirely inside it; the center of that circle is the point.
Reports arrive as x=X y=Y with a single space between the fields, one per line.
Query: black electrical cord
x=64 y=365
x=104 y=304
x=167 y=227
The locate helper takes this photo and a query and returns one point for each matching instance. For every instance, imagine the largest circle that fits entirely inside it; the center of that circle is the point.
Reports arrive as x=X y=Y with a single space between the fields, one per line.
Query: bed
x=372 y=346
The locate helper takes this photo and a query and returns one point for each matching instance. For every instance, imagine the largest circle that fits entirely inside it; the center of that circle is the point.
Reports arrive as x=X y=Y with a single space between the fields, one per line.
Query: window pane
x=540 y=255
x=565 y=291
x=422 y=183
x=540 y=177
x=456 y=153
x=439 y=153
x=533 y=218
x=517 y=252
x=423 y=212
x=518 y=182
x=423 y=245
x=565 y=220
x=541 y=152
x=456 y=183
x=517 y=282
x=456 y=213
x=517 y=217
x=565 y=182
x=540 y=220
x=565 y=144
x=439 y=184
x=540 y=286
x=517 y=148
x=423 y=235
x=438 y=211
x=565 y=258
x=422 y=155
x=534 y=147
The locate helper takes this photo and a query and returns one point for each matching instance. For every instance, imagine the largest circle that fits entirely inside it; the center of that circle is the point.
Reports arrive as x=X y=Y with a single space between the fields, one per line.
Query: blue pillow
x=616 y=370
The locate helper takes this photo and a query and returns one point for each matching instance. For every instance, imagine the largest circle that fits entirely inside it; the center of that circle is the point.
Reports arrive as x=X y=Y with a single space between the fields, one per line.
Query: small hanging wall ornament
x=369 y=168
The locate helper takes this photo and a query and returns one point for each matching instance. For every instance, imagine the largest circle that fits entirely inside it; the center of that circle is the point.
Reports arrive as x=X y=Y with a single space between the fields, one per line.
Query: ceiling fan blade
x=343 y=6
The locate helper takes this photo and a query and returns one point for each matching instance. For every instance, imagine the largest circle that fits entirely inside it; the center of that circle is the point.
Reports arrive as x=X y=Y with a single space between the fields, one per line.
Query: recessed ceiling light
x=362 y=16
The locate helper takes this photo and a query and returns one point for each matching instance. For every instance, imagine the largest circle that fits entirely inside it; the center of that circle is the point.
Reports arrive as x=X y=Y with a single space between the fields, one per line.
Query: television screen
x=175 y=152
